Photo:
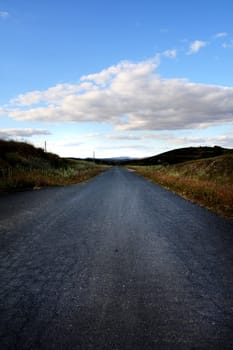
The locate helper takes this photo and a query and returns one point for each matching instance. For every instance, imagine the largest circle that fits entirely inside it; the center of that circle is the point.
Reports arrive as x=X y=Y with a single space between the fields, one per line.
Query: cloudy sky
x=121 y=78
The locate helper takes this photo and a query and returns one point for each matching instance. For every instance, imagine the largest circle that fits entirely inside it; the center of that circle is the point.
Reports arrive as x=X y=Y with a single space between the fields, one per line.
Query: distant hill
x=182 y=155
x=175 y=156
x=115 y=160
x=123 y=159
x=15 y=154
x=107 y=161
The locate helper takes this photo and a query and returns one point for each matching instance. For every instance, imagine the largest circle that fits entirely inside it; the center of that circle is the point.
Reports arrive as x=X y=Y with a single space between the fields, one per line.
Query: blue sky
x=123 y=78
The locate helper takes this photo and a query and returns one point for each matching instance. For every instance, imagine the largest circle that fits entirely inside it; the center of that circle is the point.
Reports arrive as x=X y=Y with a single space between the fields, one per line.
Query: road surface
x=114 y=263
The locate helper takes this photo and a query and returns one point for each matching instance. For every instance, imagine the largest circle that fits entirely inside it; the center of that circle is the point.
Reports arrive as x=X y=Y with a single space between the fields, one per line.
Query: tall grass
x=18 y=179
x=206 y=182
x=25 y=166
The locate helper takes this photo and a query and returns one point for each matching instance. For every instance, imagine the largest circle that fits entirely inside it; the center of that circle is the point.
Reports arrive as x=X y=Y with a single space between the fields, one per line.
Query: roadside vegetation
x=23 y=166
x=208 y=182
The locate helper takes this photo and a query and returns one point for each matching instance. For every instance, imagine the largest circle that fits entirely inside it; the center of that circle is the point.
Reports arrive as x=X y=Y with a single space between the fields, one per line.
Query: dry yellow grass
x=207 y=182
x=20 y=179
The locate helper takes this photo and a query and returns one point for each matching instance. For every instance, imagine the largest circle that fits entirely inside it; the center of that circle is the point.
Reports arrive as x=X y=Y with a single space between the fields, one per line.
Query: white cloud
x=137 y=137
x=120 y=137
x=53 y=95
x=125 y=67
x=220 y=35
x=72 y=144
x=27 y=132
x=223 y=140
x=3 y=111
x=129 y=96
x=228 y=45
x=182 y=141
x=169 y=53
x=175 y=140
x=196 y=46
x=4 y=14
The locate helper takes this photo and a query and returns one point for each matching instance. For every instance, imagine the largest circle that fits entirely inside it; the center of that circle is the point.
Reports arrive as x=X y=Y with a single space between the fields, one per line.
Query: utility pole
x=45 y=146
x=93 y=156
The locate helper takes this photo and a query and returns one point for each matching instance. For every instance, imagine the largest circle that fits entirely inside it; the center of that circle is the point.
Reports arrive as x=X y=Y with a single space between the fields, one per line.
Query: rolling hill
x=182 y=155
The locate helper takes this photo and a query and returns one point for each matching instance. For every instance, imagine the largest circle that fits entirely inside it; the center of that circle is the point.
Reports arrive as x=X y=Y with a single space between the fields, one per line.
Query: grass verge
x=207 y=182
x=21 y=179
x=23 y=166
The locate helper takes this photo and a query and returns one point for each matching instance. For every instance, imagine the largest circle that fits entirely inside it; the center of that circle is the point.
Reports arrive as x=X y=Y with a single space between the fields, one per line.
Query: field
x=208 y=182
x=23 y=166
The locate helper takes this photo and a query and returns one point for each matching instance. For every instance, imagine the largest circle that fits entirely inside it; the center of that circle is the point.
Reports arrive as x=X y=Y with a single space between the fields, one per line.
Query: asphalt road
x=115 y=263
